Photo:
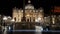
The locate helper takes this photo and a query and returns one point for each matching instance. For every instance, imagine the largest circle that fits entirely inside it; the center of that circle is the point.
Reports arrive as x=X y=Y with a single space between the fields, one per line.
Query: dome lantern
x=29 y=6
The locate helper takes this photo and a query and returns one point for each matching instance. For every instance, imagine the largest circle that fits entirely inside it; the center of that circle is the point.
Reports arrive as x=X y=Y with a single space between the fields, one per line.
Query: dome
x=29 y=6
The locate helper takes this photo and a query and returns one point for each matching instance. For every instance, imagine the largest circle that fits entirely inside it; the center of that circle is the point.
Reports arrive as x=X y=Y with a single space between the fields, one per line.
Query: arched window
x=33 y=19
x=27 y=20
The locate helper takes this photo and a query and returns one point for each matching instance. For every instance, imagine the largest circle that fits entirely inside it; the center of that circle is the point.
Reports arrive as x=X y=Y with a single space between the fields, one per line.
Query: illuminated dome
x=29 y=6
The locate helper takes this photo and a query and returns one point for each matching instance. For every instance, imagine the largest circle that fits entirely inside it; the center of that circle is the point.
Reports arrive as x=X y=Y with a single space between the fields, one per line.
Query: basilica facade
x=31 y=14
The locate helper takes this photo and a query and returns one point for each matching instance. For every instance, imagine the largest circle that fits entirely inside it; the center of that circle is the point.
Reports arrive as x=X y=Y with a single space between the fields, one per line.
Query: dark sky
x=6 y=6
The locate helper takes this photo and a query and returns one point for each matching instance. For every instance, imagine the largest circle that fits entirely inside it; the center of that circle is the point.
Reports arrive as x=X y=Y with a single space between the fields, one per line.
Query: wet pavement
x=34 y=33
x=31 y=32
x=27 y=26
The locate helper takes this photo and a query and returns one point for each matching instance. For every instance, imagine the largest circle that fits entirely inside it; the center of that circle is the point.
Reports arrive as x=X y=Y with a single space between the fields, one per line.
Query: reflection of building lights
x=39 y=28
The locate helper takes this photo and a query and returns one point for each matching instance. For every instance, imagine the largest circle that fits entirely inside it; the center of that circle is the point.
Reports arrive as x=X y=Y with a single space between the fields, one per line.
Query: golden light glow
x=31 y=14
x=28 y=15
x=39 y=18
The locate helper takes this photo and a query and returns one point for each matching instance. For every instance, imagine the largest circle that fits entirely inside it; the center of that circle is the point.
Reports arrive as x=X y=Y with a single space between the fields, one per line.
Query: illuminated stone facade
x=31 y=14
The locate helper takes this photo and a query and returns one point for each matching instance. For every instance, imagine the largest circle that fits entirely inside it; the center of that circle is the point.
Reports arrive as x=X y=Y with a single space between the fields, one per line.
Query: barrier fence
x=32 y=31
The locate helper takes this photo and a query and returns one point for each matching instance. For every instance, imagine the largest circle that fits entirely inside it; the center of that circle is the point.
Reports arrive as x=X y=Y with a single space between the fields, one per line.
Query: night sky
x=6 y=6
